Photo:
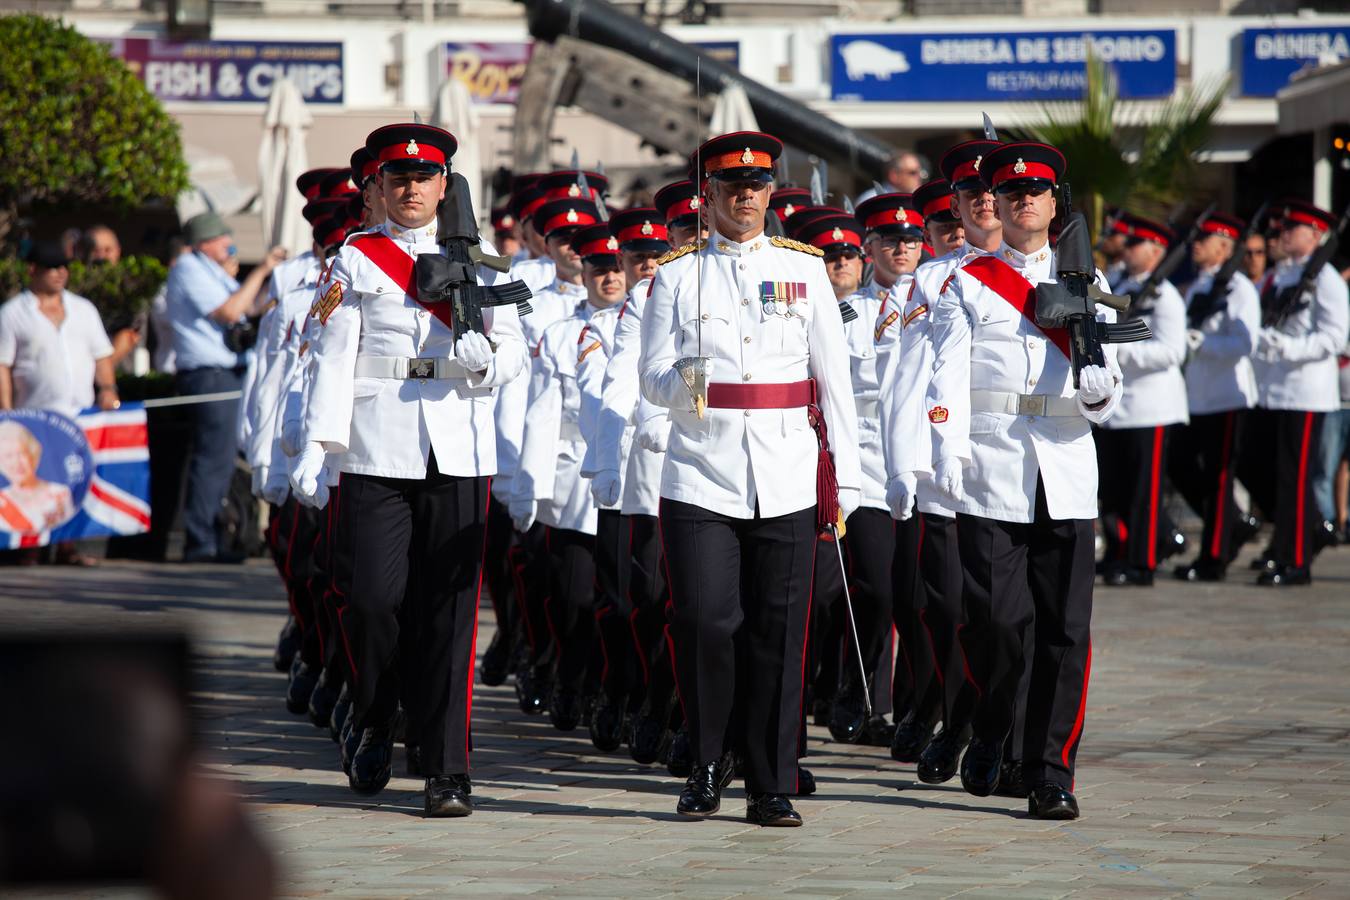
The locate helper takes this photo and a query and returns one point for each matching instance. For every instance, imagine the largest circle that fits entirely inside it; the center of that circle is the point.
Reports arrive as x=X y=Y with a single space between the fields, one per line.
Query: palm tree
x=1128 y=154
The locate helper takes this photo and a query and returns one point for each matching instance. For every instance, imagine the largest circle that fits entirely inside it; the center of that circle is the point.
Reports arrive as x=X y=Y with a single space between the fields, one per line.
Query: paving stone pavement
x=1215 y=763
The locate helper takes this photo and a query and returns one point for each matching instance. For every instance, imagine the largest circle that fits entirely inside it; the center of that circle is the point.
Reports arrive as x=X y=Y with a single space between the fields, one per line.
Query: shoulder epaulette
x=681 y=251
x=790 y=244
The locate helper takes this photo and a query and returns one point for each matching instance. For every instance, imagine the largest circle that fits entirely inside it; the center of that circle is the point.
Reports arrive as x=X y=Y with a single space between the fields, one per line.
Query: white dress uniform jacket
x=1302 y=375
x=594 y=346
x=743 y=463
x=982 y=343
x=389 y=426
x=1219 y=376
x=864 y=369
x=552 y=445
x=1154 y=392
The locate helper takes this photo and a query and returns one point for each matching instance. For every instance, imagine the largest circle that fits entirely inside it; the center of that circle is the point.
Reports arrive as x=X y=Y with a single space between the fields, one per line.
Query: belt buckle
x=1031 y=404
x=422 y=367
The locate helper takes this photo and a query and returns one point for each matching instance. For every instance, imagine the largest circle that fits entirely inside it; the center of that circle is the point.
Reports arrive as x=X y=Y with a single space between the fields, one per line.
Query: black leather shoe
x=447 y=797
x=680 y=762
x=1285 y=576
x=1123 y=576
x=1325 y=535
x=348 y=740
x=911 y=737
x=532 y=690
x=1264 y=563
x=981 y=766
x=878 y=732
x=940 y=759
x=806 y=782
x=771 y=811
x=322 y=700
x=702 y=794
x=288 y=644
x=496 y=661
x=820 y=712
x=1010 y=780
x=1244 y=529
x=341 y=710
x=300 y=687
x=1048 y=800
x=373 y=762
x=645 y=739
x=565 y=709
x=413 y=760
x=848 y=716
x=1173 y=545
x=606 y=725
x=1200 y=570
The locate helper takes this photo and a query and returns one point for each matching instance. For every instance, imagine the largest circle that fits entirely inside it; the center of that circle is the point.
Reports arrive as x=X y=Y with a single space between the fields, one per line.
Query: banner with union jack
x=66 y=480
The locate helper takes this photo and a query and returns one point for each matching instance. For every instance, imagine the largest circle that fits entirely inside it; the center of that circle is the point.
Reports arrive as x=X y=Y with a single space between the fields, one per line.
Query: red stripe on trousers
x=1302 y=488
x=473 y=646
x=1154 y=490
x=1077 y=731
x=670 y=603
x=1216 y=545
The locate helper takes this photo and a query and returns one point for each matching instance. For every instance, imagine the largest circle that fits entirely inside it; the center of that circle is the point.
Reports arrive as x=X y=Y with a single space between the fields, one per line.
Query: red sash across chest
x=398 y=265
x=1008 y=283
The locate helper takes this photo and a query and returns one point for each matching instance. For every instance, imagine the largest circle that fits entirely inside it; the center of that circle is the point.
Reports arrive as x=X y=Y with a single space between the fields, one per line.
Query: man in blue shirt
x=203 y=301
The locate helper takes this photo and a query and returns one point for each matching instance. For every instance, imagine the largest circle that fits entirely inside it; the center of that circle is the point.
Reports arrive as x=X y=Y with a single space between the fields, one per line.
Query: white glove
x=523 y=513
x=473 y=351
x=1194 y=338
x=900 y=493
x=306 y=475
x=605 y=487
x=849 y=500
x=276 y=487
x=652 y=433
x=1095 y=384
x=259 y=478
x=1270 y=345
x=948 y=478
x=292 y=441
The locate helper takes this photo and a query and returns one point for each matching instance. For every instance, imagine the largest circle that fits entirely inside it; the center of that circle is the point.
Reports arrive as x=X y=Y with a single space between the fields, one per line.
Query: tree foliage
x=77 y=126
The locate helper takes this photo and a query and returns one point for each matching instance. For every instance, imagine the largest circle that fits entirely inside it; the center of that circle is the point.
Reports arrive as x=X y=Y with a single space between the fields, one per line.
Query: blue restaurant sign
x=1270 y=56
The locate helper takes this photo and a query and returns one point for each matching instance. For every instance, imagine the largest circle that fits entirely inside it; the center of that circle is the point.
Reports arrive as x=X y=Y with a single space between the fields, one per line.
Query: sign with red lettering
x=491 y=70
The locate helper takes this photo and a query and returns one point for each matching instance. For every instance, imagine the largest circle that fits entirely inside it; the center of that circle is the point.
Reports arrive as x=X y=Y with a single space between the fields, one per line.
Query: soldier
x=411 y=409
x=549 y=487
x=1296 y=376
x=1014 y=455
x=749 y=326
x=1223 y=321
x=788 y=201
x=1132 y=446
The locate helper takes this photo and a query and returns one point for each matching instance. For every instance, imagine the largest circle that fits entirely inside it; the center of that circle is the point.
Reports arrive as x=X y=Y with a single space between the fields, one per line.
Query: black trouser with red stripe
x=292 y=543
x=1131 y=466
x=1202 y=462
x=530 y=569
x=617 y=669
x=647 y=589
x=943 y=614
x=416 y=544
x=1036 y=576
x=571 y=604
x=334 y=654
x=917 y=687
x=742 y=597
x=497 y=573
x=1278 y=467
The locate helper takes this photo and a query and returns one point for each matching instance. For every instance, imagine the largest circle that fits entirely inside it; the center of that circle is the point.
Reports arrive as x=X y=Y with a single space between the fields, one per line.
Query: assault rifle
x=452 y=277
x=1278 y=306
x=1153 y=284
x=1215 y=300
x=1070 y=302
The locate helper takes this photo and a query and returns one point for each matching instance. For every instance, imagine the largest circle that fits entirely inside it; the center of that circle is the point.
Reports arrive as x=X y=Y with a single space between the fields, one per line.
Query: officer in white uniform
x=1296 y=375
x=411 y=408
x=1014 y=455
x=1222 y=324
x=1132 y=446
x=749 y=326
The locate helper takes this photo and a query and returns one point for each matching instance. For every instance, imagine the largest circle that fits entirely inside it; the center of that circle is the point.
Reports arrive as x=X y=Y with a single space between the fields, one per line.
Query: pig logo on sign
x=863 y=58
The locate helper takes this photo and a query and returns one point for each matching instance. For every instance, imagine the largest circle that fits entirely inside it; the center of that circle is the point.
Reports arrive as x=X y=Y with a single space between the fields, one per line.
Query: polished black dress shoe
x=702 y=794
x=1285 y=576
x=532 y=690
x=1124 y=576
x=348 y=741
x=1172 y=545
x=288 y=644
x=1264 y=563
x=606 y=724
x=1244 y=529
x=771 y=811
x=942 y=756
x=877 y=732
x=680 y=762
x=447 y=797
x=981 y=767
x=806 y=782
x=322 y=700
x=496 y=661
x=1048 y=800
x=645 y=738
x=373 y=762
x=1200 y=570
x=341 y=710
x=565 y=709
x=911 y=737
x=820 y=712
x=413 y=760
x=1325 y=535
x=301 y=685
x=848 y=716
x=1011 y=783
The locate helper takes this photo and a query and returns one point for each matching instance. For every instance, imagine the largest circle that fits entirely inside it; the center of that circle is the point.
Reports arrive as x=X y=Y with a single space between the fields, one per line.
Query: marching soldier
x=1223 y=321
x=742 y=342
x=1132 y=446
x=1302 y=331
x=411 y=409
x=1015 y=458
x=788 y=201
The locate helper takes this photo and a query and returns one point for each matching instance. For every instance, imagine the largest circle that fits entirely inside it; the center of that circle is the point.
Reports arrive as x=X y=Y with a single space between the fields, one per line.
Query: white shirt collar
x=728 y=247
x=1037 y=262
x=409 y=235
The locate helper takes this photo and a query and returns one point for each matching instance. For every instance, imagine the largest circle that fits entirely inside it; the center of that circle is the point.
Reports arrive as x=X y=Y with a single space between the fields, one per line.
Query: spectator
x=202 y=301
x=70 y=242
x=1254 y=259
x=904 y=174
x=100 y=245
x=161 y=329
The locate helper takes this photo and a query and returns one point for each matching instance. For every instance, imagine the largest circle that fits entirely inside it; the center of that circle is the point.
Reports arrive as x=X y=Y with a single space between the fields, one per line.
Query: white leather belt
x=401 y=367
x=869 y=409
x=1022 y=404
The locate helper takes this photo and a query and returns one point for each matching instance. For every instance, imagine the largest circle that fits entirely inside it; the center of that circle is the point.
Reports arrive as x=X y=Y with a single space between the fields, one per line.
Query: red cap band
x=687 y=207
x=897 y=216
x=312 y=192
x=1148 y=234
x=966 y=170
x=939 y=205
x=1211 y=226
x=412 y=150
x=745 y=159
x=837 y=236
x=1027 y=170
x=570 y=191
x=648 y=231
x=570 y=219
x=599 y=247
x=1302 y=218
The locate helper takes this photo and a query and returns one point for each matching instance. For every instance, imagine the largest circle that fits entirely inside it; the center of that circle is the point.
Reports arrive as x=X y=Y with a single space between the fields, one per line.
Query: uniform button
x=747 y=339
x=421 y=313
x=747 y=413
x=742 y=267
x=1031 y=383
x=379 y=290
x=745 y=302
x=704 y=317
x=746 y=376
